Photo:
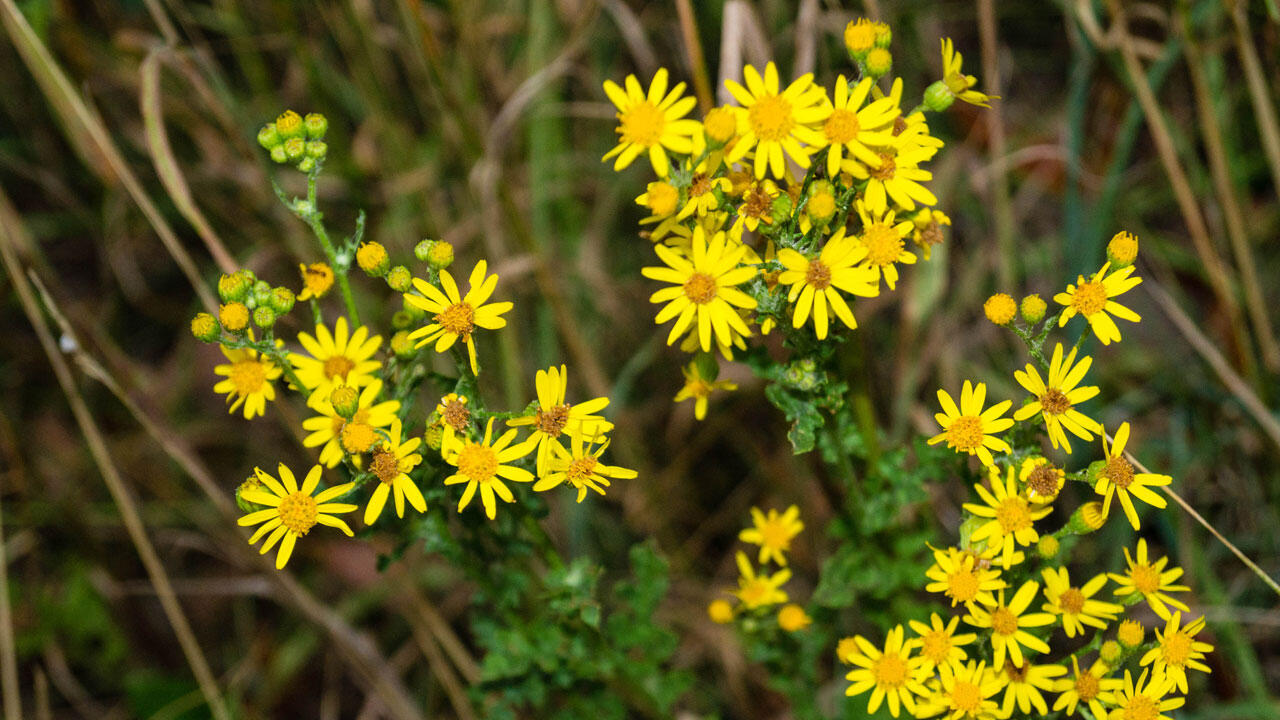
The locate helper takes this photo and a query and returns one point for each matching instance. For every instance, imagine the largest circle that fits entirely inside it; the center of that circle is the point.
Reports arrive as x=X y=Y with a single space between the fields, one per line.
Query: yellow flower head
x=756 y=591
x=317 y=280
x=883 y=238
x=773 y=121
x=1000 y=309
x=756 y=205
x=248 y=380
x=340 y=436
x=555 y=417
x=1090 y=687
x=859 y=35
x=964 y=692
x=968 y=428
x=928 y=230
x=1024 y=683
x=483 y=465
x=850 y=127
x=336 y=358
x=454 y=416
x=938 y=642
x=1178 y=649
x=1075 y=605
x=1151 y=580
x=651 y=122
x=720 y=612
x=1123 y=249
x=898 y=176
x=1092 y=299
x=704 y=289
x=1010 y=517
x=892 y=674
x=1008 y=623
x=957 y=82
x=963 y=577
x=1041 y=479
x=699 y=389
x=816 y=282
x=1146 y=699
x=773 y=533
x=580 y=466
x=455 y=316
x=1118 y=479
x=291 y=511
x=1057 y=399
x=792 y=617
x=391 y=462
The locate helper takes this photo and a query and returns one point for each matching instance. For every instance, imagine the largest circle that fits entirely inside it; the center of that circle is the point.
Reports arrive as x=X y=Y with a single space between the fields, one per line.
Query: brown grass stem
x=8 y=656
x=693 y=49
x=1263 y=102
x=1003 y=210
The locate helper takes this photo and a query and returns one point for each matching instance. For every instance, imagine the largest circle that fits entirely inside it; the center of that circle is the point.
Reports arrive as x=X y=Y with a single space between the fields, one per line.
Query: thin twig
x=8 y=656
x=1264 y=110
x=697 y=61
x=995 y=128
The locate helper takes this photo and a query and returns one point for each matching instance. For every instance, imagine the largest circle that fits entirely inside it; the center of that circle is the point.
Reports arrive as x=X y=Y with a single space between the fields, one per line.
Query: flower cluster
x=782 y=209
x=1028 y=630
x=759 y=592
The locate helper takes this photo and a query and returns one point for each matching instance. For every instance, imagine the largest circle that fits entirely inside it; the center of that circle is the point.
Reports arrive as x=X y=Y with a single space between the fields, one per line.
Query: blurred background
x=129 y=179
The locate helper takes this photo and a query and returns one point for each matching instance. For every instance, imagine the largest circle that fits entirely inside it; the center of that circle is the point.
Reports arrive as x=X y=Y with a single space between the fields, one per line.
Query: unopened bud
x=205 y=327
x=345 y=400
x=316 y=125
x=269 y=137
x=289 y=125
x=938 y=97
x=1033 y=308
x=879 y=62
x=317 y=149
x=234 y=316
x=306 y=164
x=440 y=255
x=402 y=345
x=400 y=279
x=372 y=258
x=282 y=300
x=264 y=317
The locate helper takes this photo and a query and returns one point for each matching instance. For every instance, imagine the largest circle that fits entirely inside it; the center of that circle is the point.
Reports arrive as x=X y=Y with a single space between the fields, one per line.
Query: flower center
x=1176 y=649
x=552 y=421
x=1004 y=622
x=754 y=592
x=1016 y=673
x=770 y=118
x=1012 y=514
x=248 y=376
x=962 y=585
x=757 y=202
x=1054 y=402
x=775 y=535
x=700 y=288
x=1089 y=298
x=899 y=125
x=1119 y=472
x=936 y=646
x=886 y=169
x=478 y=462
x=459 y=319
x=357 y=437
x=1145 y=579
x=701 y=185
x=385 y=465
x=891 y=671
x=965 y=432
x=1087 y=686
x=456 y=415
x=1043 y=481
x=642 y=124
x=841 y=127
x=298 y=512
x=581 y=469
x=1141 y=707
x=932 y=234
x=1072 y=601
x=884 y=245
x=818 y=275
x=338 y=366
x=966 y=697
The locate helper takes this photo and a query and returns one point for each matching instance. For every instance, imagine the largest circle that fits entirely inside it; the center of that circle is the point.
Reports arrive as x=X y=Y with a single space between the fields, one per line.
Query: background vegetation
x=129 y=178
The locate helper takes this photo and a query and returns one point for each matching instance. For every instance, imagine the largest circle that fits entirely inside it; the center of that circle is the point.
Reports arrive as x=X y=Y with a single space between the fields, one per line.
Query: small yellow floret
x=1131 y=633
x=792 y=617
x=234 y=316
x=859 y=35
x=1000 y=309
x=1122 y=250
x=720 y=124
x=372 y=258
x=720 y=611
x=1033 y=308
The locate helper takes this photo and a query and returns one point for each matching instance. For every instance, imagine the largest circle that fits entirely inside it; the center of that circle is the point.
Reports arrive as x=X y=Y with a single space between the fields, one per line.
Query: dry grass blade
x=8 y=657
x=1003 y=209
x=87 y=132
x=1263 y=105
x=693 y=47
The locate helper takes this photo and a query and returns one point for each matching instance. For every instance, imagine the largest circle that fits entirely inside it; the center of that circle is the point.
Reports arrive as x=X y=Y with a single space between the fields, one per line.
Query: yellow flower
x=928 y=230
x=248 y=382
x=340 y=436
x=1123 y=249
x=963 y=577
x=1177 y=649
x=555 y=417
x=1010 y=517
x=317 y=279
x=652 y=122
x=759 y=590
x=700 y=388
x=720 y=612
x=1075 y=605
x=701 y=194
x=897 y=177
x=1057 y=399
x=860 y=35
x=1145 y=700
x=336 y=358
x=970 y=429
x=1000 y=309
x=893 y=673
x=454 y=316
x=234 y=316
x=1041 y=479
x=938 y=642
x=1008 y=622
x=773 y=533
x=850 y=127
x=703 y=289
x=482 y=465
x=291 y=511
x=1090 y=687
x=662 y=198
x=957 y=82
x=390 y=463
x=883 y=240
x=1025 y=681
x=1150 y=579
x=773 y=121
x=1092 y=299
x=581 y=467
x=816 y=282
x=756 y=206
x=792 y=617
x=1130 y=633
x=963 y=692
x=454 y=415
x=1117 y=479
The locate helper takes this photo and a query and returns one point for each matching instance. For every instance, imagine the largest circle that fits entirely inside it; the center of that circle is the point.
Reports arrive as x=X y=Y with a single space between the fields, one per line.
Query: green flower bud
x=884 y=35
x=269 y=137
x=401 y=320
x=879 y=62
x=1086 y=519
x=440 y=254
x=278 y=154
x=1110 y=652
x=317 y=149
x=1048 y=547
x=400 y=279
x=705 y=365
x=289 y=125
x=295 y=148
x=938 y=97
x=282 y=299
x=316 y=125
x=780 y=210
x=252 y=483
x=401 y=345
x=422 y=250
x=372 y=258
x=233 y=287
x=434 y=436
x=414 y=312
x=205 y=327
x=1033 y=308
x=345 y=400
x=261 y=293
x=306 y=164
x=264 y=317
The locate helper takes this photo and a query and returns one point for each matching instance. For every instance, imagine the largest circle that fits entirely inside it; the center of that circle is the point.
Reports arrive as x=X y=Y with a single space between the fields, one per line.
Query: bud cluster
x=295 y=139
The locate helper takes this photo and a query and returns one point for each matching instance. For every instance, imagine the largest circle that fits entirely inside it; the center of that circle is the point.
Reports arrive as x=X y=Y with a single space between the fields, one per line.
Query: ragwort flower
x=970 y=429
x=773 y=533
x=652 y=122
x=454 y=316
x=248 y=380
x=773 y=121
x=704 y=289
x=1057 y=399
x=292 y=511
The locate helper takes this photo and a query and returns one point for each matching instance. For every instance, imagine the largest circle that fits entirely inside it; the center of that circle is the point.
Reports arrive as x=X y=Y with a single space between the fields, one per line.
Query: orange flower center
x=700 y=288
x=1119 y=472
x=478 y=462
x=886 y=169
x=248 y=376
x=962 y=585
x=966 y=697
x=1054 y=402
x=891 y=671
x=818 y=275
x=1043 y=481
x=385 y=465
x=1140 y=707
x=1013 y=514
x=458 y=319
x=552 y=421
x=1089 y=298
x=841 y=127
x=1145 y=578
x=1004 y=622
x=770 y=118
x=936 y=646
x=1087 y=686
x=642 y=124
x=1176 y=649
x=884 y=244
x=965 y=433
x=298 y=512
x=1072 y=601
x=456 y=415
x=1016 y=673
x=357 y=437
x=338 y=366
x=581 y=469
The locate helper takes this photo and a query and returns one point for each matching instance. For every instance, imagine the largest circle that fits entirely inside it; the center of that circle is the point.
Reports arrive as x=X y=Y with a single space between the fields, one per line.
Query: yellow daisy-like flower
x=1025 y=681
x=1075 y=605
x=849 y=127
x=555 y=417
x=897 y=177
x=391 y=462
x=1145 y=699
x=651 y=122
x=963 y=577
x=341 y=436
x=454 y=316
x=454 y=415
x=483 y=465
x=1057 y=399
x=773 y=121
x=1041 y=479
x=704 y=289
x=291 y=511
x=248 y=380
x=1092 y=299
x=1152 y=580
x=580 y=466
x=970 y=429
x=317 y=279
x=964 y=692
x=756 y=205
x=892 y=673
x=883 y=239
x=912 y=129
x=1178 y=649
x=928 y=230
x=699 y=389
x=957 y=82
x=1008 y=623
x=336 y=358
x=1118 y=479
x=756 y=591
x=816 y=282
x=1010 y=517
x=773 y=533
x=938 y=642
x=792 y=617
x=1091 y=687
